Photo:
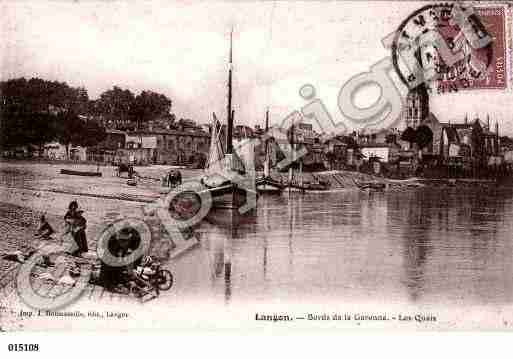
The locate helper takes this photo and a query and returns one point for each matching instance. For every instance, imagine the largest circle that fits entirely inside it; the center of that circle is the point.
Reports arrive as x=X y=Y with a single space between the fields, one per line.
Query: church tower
x=416 y=108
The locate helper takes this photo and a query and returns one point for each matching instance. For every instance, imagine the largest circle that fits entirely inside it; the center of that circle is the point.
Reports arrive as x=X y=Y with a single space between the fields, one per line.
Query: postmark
x=452 y=47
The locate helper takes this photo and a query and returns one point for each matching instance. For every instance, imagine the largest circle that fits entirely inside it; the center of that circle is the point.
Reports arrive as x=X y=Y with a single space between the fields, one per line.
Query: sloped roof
x=378 y=145
x=462 y=126
x=115 y=131
x=169 y=132
x=431 y=118
x=452 y=134
x=489 y=133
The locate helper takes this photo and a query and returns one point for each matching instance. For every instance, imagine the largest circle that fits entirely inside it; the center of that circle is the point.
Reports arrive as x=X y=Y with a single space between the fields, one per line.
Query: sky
x=181 y=49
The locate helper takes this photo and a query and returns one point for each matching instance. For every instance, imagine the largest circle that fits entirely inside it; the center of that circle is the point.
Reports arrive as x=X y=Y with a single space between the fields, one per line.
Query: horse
x=123 y=167
x=174 y=178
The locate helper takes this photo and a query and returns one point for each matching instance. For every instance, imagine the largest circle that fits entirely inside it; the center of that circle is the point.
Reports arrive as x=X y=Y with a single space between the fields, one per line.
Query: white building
x=57 y=151
x=383 y=151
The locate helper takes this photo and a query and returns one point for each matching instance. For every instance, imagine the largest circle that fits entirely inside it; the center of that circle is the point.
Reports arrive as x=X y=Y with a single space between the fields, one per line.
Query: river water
x=426 y=247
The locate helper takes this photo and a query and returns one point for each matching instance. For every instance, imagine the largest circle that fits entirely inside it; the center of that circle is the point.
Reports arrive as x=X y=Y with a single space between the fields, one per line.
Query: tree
x=423 y=136
x=409 y=135
x=70 y=129
x=41 y=130
x=116 y=105
x=149 y=105
x=93 y=133
x=29 y=109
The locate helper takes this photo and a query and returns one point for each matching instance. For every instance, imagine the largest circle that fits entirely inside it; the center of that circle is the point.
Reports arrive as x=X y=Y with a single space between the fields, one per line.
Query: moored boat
x=266 y=184
x=226 y=180
x=307 y=186
x=300 y=185
x=80 y=173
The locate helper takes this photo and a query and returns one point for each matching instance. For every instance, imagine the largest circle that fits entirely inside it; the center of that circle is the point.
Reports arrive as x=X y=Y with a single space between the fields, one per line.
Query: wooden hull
x=228 y=197
x=373 y=186
x=305 y=188
x=268 y=186
x=227 y=201
x=81 y=173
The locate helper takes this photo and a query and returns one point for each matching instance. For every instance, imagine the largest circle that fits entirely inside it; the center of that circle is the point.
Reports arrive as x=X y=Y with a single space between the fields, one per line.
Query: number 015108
x=23 y=347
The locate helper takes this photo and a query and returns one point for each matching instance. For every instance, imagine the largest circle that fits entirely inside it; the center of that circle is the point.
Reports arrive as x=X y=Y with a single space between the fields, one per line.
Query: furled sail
x=220 y=166
x=216 y=153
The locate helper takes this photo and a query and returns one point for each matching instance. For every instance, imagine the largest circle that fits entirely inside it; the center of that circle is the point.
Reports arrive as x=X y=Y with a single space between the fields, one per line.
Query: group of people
x=120 y=245
x=75 y=226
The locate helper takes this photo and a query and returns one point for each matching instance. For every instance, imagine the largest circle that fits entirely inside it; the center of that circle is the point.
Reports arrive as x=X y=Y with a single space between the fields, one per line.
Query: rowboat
x=267 y=185
x=80 y=173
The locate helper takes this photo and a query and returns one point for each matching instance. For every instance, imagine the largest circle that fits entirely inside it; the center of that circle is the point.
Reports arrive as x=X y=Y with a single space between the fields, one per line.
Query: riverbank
x=42 y=185
x=28 y=190
x=419 y=247
x=340 y=180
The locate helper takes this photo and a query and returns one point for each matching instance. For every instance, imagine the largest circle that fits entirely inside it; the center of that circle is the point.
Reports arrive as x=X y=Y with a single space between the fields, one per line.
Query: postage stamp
x=450 y=48
x=495 y=77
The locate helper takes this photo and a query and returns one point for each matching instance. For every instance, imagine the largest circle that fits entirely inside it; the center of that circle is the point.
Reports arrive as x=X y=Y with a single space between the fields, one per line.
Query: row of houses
x=189 y=147
x=462 y=140
x=466 y=139
x=471 y=141
x=160 y=146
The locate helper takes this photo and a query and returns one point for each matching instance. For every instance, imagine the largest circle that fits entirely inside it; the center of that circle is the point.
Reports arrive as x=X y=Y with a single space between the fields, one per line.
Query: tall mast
x=267 y=120
x=292 y=148
x=267 y=163
x=229 y=132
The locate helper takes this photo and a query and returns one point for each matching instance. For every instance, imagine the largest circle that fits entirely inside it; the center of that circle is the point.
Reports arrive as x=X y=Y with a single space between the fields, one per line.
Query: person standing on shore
x=76 y=225
x=80 y=233
x=69 y=217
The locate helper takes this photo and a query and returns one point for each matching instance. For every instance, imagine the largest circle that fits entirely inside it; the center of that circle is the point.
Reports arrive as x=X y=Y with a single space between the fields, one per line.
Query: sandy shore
x=28 y=190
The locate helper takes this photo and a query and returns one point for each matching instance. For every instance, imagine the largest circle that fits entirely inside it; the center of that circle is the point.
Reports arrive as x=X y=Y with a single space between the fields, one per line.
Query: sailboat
x=300 y=185
x=267 y=184
x=226 y=179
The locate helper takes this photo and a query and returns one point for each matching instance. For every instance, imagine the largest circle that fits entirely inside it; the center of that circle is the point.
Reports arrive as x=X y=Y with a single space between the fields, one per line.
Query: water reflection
x=425 y=246
x=450 y=242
